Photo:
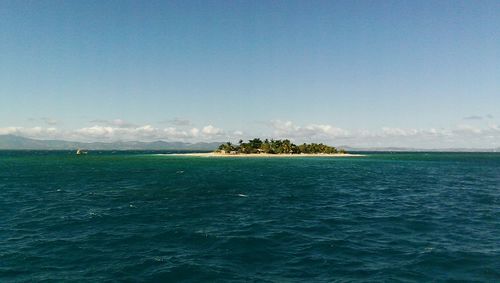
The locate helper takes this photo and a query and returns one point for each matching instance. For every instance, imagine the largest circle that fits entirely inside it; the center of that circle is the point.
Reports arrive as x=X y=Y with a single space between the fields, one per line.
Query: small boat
x=80 y=152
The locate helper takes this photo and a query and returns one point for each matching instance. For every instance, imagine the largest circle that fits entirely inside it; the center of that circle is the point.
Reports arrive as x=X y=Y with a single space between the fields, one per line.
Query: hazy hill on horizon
x=13 y=142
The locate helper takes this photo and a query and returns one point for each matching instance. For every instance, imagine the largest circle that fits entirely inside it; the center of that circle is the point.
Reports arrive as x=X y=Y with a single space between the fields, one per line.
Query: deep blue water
x=132 y=216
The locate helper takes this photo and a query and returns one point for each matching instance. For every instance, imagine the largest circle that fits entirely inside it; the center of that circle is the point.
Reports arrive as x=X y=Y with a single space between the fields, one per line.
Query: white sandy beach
x=214 y=154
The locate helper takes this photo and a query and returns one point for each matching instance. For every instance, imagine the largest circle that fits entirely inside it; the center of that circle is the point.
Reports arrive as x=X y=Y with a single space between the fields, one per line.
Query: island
x=271 y=148
x=257 y=146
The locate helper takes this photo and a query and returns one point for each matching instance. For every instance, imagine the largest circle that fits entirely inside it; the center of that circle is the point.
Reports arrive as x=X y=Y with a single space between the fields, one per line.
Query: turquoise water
x=136 y=216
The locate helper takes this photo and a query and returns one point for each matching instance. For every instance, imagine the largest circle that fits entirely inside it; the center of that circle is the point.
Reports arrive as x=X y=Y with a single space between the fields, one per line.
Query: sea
x=138 y=216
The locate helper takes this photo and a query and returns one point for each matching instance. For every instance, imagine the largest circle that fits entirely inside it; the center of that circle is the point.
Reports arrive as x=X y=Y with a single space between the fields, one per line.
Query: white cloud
x=398 y=132
x=211 y=131
x=462 y=135
x=146 y=132
x=114 y=123
x=286 y=129
x=458 y=136
x=34 y=132
x=194 y=132
x=109 y=133
x=174 y=133
x=468 y=130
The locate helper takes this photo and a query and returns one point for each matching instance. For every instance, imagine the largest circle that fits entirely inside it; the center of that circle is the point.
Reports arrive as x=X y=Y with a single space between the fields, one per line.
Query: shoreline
x=260 y=155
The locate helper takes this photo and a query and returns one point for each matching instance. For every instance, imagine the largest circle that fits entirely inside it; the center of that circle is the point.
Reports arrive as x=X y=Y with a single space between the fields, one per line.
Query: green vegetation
x=256 y=145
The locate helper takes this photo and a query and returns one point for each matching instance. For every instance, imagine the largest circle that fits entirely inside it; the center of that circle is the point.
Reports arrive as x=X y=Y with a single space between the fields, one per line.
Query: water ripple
x=126 y=217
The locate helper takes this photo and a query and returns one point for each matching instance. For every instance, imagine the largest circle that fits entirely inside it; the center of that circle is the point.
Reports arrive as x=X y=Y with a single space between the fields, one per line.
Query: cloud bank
x=461 y=135
x=119 y=132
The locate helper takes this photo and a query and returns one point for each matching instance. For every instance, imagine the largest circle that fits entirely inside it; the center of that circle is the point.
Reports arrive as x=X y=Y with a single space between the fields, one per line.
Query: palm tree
x=277 y=147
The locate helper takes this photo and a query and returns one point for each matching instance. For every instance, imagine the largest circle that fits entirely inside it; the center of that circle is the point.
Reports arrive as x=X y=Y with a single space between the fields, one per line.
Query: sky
x=420 y=74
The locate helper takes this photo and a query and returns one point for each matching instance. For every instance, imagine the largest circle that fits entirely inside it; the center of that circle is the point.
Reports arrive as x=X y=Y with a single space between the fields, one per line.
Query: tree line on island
x=273 y=146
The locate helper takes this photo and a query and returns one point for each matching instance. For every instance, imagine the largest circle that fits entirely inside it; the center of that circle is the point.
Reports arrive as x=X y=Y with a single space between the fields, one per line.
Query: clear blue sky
x=369 y=67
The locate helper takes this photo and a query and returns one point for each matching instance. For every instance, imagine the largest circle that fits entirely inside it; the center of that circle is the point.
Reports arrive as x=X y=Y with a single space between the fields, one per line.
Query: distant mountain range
x=12 y=142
